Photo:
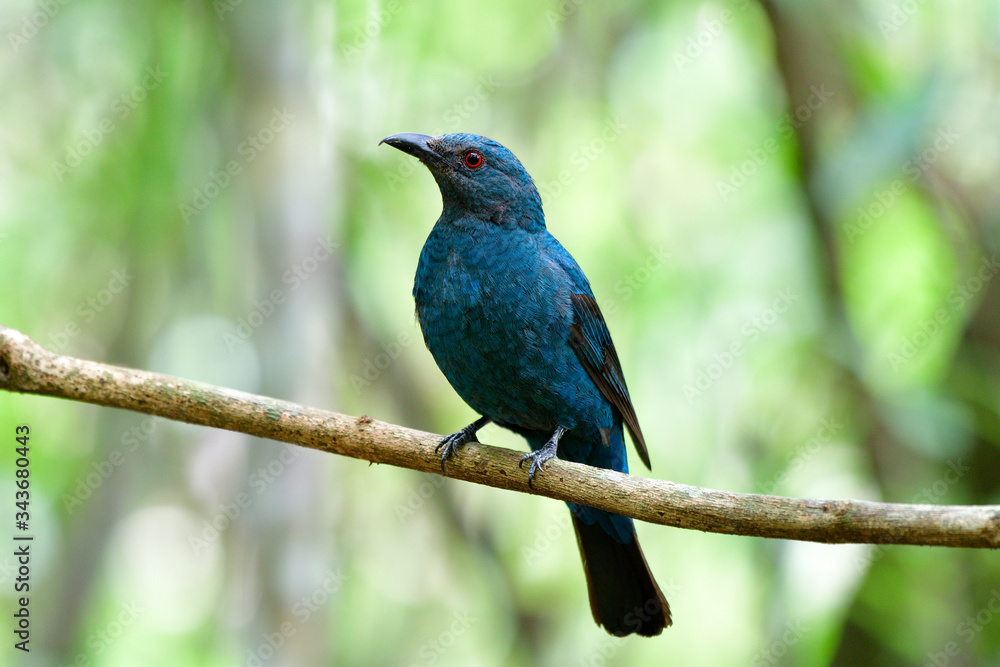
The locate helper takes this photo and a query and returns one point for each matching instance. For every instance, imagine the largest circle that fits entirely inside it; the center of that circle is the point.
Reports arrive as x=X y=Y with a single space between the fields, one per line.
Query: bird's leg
x=452 y=442
x=547 y=452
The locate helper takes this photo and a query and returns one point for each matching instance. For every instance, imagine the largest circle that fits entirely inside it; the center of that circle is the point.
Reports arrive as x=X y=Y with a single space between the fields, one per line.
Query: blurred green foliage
x=788 y=211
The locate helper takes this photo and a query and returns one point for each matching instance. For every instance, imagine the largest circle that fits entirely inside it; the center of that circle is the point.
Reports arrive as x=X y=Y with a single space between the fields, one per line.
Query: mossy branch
x=28 y=368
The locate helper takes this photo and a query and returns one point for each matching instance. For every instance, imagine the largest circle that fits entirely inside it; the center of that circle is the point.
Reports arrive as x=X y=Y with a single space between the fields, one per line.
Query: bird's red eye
x=473 y=160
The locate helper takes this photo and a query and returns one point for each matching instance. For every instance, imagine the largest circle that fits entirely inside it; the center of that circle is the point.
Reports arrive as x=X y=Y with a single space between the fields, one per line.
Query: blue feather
x=512 y=322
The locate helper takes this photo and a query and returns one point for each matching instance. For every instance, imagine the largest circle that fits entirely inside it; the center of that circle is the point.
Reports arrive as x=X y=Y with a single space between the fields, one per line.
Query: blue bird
x=511 y=321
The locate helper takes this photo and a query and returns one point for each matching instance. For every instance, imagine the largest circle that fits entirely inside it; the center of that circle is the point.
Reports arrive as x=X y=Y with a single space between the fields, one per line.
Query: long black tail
x=624 y=597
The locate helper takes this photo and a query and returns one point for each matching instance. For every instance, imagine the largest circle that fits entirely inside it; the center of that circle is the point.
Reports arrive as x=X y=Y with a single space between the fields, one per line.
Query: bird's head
x=477 y=176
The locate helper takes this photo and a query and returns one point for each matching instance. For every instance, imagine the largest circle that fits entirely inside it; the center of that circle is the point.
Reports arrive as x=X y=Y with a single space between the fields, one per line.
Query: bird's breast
x=496 y=316
x=465 y=277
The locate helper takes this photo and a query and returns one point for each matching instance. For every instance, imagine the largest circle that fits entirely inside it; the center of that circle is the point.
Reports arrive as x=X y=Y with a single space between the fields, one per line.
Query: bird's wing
x=590 y=339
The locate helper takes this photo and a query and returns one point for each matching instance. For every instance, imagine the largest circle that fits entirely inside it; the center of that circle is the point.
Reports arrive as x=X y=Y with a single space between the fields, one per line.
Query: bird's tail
x=624 y=597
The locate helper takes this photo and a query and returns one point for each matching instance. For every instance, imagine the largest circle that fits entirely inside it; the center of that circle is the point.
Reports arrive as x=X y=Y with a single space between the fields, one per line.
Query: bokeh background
x=789 y=214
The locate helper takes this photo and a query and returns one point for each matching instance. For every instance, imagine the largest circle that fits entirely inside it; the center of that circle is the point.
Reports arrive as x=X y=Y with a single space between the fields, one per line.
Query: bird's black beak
x=415 y=144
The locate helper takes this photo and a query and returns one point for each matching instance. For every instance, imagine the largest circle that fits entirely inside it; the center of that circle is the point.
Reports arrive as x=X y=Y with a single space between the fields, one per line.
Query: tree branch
x=26 y=367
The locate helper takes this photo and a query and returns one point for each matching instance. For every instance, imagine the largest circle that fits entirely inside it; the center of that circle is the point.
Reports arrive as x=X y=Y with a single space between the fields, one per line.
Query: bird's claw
x=546 y=453
x=452 y=442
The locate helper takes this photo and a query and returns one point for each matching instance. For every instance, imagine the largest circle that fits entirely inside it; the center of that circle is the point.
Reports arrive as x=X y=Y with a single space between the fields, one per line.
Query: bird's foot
x=451 y=443
x=540 y=456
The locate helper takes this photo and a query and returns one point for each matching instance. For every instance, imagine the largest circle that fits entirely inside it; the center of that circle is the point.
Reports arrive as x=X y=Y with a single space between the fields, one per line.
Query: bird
x=512 y=322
